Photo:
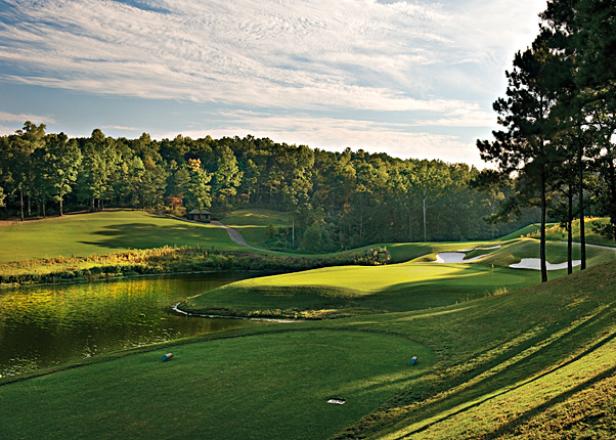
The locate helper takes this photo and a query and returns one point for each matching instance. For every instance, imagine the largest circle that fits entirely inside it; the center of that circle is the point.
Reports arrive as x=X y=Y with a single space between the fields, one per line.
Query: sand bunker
x=535 y=264
x=454 y=257
x=336 y=401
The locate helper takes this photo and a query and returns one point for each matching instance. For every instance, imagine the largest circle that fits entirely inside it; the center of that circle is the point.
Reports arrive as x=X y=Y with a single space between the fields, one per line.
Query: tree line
x=557 y=137
x=335 y=200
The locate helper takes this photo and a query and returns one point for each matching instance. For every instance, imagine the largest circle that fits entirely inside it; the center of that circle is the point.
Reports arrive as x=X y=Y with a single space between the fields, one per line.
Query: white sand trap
x=535 y=264
x=336 y=401
x=454 y=257
x=489 y=248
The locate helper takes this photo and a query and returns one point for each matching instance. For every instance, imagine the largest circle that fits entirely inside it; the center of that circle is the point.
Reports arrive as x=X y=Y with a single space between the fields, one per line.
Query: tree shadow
x=526 y=416
x=146 y=235
x=524 y=371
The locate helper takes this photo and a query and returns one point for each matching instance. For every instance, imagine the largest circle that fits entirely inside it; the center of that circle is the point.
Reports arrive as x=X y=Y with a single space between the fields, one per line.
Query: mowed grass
x=253 y=223
x=496 y=366
x=103 y=233
x=555 y=232
x=556 y=252
x=500 y=357
x=414 y=285
x=359 y=289
x=267 y=386
x=530 y=356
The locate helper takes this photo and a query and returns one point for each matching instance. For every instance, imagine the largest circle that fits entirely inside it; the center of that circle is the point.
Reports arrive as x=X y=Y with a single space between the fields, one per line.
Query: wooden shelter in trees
x=200 y=215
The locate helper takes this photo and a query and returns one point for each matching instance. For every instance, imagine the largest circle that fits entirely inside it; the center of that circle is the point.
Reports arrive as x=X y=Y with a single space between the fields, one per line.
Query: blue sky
x=411 y=78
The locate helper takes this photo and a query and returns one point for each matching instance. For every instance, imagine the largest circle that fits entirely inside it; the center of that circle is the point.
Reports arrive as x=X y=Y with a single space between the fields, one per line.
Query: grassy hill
x=336 y=291
x=557 y=233
x=533 y=362
x=103 y=233
x=419 y=283
x=253 y=223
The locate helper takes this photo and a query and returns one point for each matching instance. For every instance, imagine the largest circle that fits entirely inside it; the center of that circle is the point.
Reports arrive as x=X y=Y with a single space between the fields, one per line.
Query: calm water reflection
x=44 y=326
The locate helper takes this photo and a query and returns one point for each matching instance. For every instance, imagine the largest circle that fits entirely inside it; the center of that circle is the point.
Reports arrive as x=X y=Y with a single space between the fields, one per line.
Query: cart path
x=234 y=234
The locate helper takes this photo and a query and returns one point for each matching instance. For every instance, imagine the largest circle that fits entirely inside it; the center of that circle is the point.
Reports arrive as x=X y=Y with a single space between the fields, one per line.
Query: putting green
x=268 y=386
x=352 y=289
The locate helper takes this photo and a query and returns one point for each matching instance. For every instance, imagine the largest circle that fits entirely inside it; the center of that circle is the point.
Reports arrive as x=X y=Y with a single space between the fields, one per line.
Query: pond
x=45 y=326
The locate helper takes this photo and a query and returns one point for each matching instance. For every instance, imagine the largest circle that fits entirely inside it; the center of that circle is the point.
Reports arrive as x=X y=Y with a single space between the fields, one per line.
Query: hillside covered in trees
x=334 y=200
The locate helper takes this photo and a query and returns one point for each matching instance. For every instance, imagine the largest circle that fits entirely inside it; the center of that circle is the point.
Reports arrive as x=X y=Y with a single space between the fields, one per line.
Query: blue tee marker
x=166 y=357
x=413 y=361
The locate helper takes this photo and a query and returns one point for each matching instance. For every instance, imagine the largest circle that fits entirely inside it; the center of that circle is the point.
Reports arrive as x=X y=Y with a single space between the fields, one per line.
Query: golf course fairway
x=498 y=355
x=535 y=349
x=267 y=386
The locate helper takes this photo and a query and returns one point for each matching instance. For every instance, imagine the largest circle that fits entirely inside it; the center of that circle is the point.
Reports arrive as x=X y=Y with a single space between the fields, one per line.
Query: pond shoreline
x=268 y=318
x=163 y=261
x=126 y=277
x=46 y=326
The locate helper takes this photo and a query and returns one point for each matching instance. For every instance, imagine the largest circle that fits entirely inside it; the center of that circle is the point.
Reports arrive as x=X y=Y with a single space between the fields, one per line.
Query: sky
x=411 y=78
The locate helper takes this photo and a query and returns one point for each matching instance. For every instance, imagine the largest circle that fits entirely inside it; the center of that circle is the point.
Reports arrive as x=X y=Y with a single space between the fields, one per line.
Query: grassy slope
x=103 y=233
x=408 y=286
x=555 y=232
x=253 y=223
x=270 y=386
x=359 y=289
x=494 y=366
x=549 y=345
x=556 y=253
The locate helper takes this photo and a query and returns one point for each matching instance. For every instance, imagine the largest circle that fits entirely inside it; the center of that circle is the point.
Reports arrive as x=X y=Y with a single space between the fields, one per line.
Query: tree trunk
x=570 y=229
x=612 y=186
x=410 y=226
x=544 y=269
x=91 y=204
x=425 y=225
x=43 y=206
x=29 y=205
x=361 y=226
x=580 y=157
x=61 y=206
x=293 y=233
x=21 y=204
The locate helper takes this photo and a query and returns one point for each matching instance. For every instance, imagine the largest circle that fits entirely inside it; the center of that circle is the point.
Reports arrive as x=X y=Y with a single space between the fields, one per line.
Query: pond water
x=46 y=326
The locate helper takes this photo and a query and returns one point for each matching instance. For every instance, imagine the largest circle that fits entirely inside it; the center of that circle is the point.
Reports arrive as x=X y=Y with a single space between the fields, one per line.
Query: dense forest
x=558 y=119
x=334 y=200
x=554 y=158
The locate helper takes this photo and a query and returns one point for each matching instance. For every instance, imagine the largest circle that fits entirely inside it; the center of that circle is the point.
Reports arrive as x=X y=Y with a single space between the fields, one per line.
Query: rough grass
x=556 y=252
x=555 y=232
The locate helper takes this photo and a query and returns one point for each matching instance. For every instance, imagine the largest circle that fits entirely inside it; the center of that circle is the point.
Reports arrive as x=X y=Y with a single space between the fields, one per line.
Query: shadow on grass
x=525 y=417
x=146 y=235
x=527 y=370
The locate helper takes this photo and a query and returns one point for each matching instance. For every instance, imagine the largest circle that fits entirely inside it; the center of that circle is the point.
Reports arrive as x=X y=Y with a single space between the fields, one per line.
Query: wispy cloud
x=336 y=134
x=316 y=71
x=23 y=117
x=120 y=128
x=349 y=54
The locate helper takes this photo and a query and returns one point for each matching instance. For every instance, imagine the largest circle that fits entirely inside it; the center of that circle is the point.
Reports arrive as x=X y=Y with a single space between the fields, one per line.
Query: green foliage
x=334 y=201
